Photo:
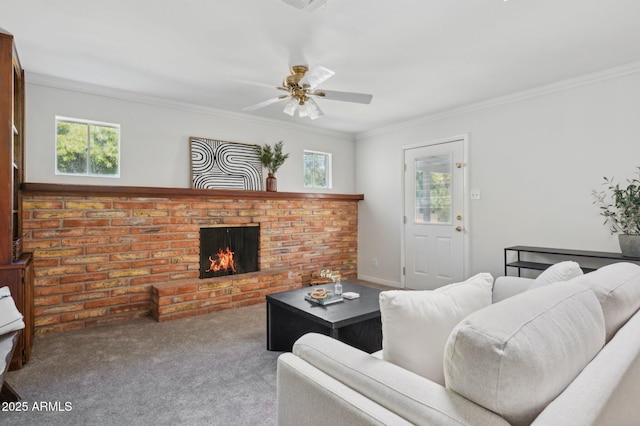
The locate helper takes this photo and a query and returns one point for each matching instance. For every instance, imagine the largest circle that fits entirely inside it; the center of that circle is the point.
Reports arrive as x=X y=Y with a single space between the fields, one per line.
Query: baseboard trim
x=379 y=281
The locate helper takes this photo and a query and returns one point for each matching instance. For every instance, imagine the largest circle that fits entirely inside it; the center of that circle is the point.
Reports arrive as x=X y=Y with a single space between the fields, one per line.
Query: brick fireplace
x=229 y=250
x=105 y=254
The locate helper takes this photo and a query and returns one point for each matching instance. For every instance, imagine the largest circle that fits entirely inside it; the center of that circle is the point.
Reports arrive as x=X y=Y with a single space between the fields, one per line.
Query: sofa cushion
x=10 y=318
x=517 y=355
x=414 y=398
x=617 y=287
x=606 y=392
x=561 y=271
x=508 y=286
x=417 y=324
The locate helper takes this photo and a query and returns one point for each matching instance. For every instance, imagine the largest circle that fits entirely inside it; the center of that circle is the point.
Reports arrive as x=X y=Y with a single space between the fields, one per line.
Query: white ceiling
x=417 y=57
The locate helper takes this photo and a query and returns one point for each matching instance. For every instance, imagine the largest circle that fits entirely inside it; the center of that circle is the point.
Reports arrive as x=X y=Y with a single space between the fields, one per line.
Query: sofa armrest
x=410 y=396
x=504 y=287
x=310 y=397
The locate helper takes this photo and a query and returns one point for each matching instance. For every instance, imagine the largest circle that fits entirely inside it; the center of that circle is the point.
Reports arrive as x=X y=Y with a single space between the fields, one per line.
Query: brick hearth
x=101 y=252
x=184 y=298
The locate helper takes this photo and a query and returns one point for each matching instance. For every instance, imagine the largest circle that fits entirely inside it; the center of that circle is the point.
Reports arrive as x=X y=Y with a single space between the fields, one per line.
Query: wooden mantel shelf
x=148 y=191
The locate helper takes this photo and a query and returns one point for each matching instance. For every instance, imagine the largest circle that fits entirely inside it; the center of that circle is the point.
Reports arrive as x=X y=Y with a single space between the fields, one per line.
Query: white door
x=433 y=215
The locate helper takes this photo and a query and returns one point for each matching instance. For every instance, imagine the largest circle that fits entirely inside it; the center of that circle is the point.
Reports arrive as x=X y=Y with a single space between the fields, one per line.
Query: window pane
x=71 y=147
x=103 y=150
x=317 y=169
x=308 y=170
x=87 y=148
x=320 y=179
x=433 y=189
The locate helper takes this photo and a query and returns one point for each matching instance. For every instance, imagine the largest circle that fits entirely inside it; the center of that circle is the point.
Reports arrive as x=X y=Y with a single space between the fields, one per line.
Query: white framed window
x=87 y=148
x=317 y=169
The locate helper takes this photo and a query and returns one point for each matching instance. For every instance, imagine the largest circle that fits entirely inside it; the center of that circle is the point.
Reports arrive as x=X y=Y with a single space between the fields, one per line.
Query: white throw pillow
x=514 y=357
x=10 y=318
x=617 y=287
x=416 y=324
x=562 y=271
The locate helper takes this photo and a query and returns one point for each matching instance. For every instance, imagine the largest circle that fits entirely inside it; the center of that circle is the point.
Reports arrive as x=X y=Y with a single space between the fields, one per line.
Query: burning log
x=223 y=261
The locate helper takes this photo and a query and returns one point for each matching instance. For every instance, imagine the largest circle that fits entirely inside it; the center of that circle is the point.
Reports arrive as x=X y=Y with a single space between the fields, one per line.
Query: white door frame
x=465 y=194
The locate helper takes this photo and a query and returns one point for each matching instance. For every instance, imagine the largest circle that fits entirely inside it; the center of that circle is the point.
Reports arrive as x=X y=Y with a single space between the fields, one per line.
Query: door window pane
x=433 y=189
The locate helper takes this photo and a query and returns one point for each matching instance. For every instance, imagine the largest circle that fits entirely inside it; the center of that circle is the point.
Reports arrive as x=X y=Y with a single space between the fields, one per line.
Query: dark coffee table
x=355 y=322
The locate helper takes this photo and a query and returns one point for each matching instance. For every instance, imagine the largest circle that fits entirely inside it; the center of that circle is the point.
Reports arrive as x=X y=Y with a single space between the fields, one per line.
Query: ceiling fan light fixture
x=313 y=109
x=309 y=6
x=290 y=107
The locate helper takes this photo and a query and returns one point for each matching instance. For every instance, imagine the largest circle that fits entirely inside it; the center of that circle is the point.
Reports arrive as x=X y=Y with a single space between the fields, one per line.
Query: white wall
x=535 y=160
x=155 y=138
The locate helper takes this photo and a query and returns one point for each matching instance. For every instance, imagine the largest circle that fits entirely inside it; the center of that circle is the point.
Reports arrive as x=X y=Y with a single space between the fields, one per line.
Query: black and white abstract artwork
x=225 y=165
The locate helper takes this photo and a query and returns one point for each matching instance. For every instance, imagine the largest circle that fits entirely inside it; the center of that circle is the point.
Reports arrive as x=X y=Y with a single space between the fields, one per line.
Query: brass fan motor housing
x=297 y=72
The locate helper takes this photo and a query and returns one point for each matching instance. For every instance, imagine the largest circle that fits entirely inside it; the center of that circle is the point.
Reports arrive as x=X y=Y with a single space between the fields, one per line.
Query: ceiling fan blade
x=359 y=98
x=265 y=103
x=316 y=76
x=251 y=82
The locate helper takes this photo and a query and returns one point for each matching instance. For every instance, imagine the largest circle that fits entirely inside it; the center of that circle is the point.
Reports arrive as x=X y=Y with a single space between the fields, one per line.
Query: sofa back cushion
x=417 y=324
x=606 y=391
x=558 y=272
x=617 y=287
x=517 y=355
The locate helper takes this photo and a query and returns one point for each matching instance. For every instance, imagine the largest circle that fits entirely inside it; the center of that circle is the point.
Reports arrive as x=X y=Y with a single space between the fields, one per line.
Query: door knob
x=459 y=217
x=459 y=228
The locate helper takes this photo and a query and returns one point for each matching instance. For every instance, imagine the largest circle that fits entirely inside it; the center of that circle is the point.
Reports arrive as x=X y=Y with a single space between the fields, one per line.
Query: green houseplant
x=621 y=210
x=272 y=159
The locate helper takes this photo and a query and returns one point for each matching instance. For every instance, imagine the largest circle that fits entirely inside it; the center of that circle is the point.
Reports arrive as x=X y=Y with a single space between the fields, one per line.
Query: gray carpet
x=208 y=370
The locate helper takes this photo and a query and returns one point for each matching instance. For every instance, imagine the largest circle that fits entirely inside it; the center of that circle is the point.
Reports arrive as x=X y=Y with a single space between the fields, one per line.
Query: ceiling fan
x=302 y=87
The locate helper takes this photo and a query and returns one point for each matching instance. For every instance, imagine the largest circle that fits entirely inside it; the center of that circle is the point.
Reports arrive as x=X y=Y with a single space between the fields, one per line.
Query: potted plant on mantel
x=272 y=159
x=621 y=209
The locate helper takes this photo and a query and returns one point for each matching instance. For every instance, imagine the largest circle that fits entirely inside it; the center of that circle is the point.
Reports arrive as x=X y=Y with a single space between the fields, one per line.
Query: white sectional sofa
x=565 y=353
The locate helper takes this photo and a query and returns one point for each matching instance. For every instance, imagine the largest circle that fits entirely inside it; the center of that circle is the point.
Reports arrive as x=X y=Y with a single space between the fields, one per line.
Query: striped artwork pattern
x=225 y=165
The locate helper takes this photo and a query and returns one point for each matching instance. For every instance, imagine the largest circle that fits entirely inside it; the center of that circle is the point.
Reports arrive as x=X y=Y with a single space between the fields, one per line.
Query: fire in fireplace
x=228 y=250
x=223 y=262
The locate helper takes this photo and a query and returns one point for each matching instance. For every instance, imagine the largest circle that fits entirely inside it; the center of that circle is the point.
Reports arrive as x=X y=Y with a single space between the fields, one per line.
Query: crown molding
x=124 y=95
x=560 y=86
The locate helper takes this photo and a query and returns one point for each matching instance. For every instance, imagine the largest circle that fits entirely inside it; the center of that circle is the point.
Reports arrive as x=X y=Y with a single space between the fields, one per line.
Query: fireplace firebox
x=228 y=250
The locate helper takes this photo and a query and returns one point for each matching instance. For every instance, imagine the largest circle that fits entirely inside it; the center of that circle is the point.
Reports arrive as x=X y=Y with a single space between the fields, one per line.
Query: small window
x=87 y=148
x=317 y=169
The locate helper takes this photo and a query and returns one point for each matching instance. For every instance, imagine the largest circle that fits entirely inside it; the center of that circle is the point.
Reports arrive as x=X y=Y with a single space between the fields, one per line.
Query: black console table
x=578 y=256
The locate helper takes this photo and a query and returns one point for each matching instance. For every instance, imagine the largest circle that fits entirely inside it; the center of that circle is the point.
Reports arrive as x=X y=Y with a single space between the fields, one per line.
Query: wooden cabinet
x=15 y=266
x=19 y=277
